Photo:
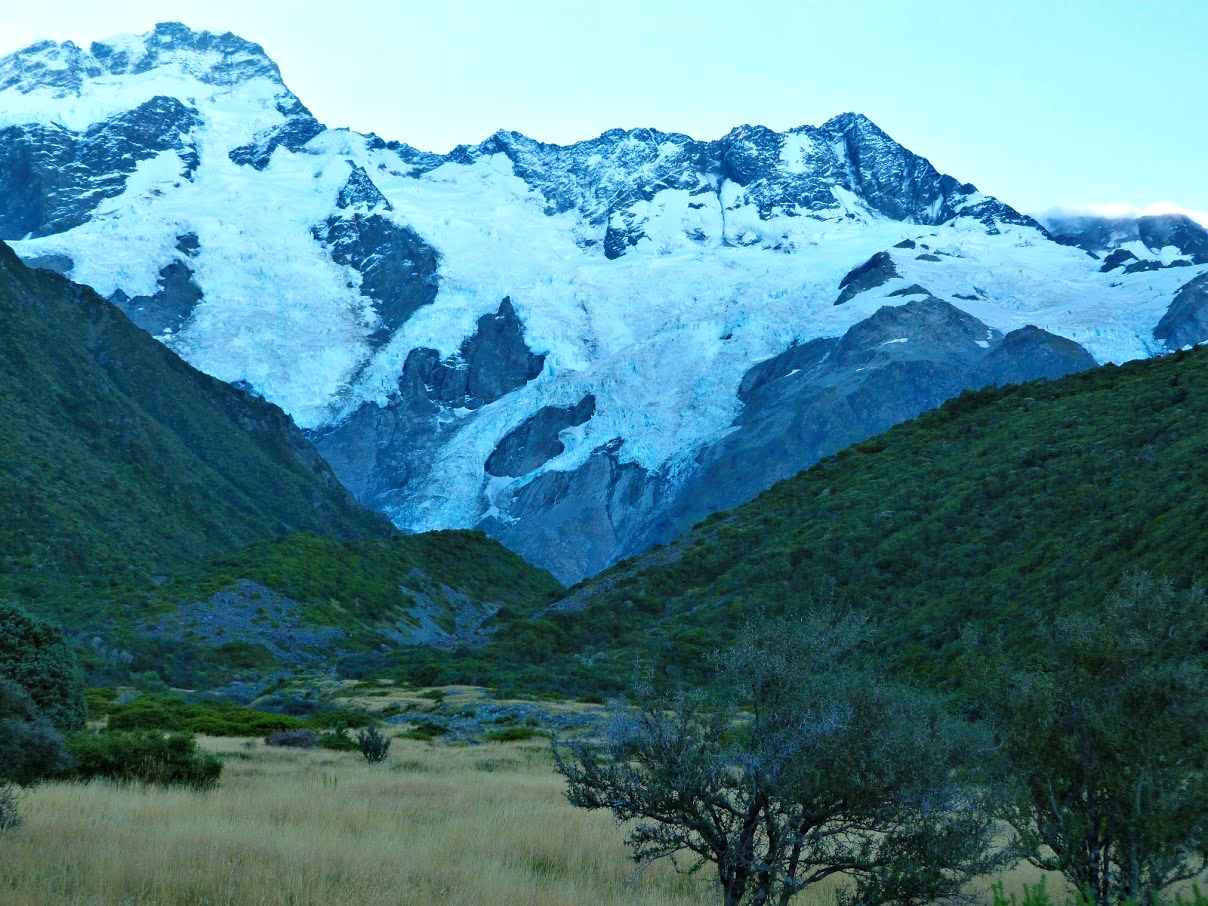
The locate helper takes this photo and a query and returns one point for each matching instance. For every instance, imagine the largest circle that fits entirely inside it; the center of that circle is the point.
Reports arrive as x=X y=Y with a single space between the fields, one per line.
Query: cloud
x=1127 y=210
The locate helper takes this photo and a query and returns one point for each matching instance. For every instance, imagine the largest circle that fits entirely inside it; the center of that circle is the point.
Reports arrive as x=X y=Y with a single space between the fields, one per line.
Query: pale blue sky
x=1042 y=103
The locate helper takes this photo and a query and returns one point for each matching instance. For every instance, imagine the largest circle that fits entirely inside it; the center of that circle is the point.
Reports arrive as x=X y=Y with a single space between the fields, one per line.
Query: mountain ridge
x=650 y=271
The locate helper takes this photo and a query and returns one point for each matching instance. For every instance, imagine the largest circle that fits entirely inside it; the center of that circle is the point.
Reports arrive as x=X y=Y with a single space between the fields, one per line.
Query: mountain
x=1134 y=244
x=999 y=510
x=121 y=461
x=578 y=349
x=176 y=523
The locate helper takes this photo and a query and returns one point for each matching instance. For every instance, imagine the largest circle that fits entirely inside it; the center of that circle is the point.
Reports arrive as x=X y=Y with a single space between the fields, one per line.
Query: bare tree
x=796 y=765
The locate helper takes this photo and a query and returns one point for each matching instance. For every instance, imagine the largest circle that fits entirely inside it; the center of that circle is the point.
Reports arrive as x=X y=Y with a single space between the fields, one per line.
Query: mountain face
x=998 y=512
x=119 y=459
x=1139 y=243
x=569 y=347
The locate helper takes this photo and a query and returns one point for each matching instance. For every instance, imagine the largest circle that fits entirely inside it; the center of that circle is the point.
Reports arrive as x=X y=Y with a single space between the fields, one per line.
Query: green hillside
x=171 y=522
x=999 y=509
x=314 y=602
x=118 y=456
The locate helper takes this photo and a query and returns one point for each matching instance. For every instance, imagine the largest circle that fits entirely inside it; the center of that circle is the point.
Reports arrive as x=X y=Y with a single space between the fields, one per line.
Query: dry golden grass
x=434 y=825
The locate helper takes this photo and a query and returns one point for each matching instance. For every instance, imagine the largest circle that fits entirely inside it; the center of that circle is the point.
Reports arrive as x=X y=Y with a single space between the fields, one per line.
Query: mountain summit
x=579 y=348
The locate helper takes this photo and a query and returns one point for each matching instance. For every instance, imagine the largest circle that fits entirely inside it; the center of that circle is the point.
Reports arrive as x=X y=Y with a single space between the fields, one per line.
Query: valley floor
x=483 y=824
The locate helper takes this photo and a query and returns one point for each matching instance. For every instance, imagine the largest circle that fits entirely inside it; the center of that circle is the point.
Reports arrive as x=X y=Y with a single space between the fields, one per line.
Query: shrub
x=512 y=734
x=338 y=741
x=167 y=713
x=30 y=752
x=34 y=655
x=293 y=739
x=100 y=701
x=167 y=760
x=430 y=728
x=374 y=745
x=30 y=748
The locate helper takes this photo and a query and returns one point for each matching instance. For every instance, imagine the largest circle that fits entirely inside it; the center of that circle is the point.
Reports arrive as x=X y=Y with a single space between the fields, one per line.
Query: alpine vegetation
x=796 y=764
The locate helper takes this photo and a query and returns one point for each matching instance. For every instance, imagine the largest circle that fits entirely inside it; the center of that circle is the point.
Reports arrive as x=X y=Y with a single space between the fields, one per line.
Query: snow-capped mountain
x=580 y=349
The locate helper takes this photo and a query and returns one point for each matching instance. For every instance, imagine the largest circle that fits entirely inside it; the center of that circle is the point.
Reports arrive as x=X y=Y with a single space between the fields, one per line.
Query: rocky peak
x=63 y=69
x=1102 y=235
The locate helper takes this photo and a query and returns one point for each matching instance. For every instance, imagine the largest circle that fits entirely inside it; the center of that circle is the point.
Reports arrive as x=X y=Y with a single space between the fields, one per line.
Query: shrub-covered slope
x=118 y=460
x=313 y=603
x=1000 y=508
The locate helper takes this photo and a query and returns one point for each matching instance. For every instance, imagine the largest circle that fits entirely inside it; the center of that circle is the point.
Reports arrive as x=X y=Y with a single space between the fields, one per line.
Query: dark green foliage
x=34 y=656
x=31 y=749
x=338 y=740
x=430 y=728
x=99 y=700
x=166 y=759
x=513 y=734
x=166 y=713
x=374 y=744
x=1106 y=727
x=30 y=752
x=996 y=509
x=10 y=812
x=120 y=461
x=793 y=765
x=356 y=585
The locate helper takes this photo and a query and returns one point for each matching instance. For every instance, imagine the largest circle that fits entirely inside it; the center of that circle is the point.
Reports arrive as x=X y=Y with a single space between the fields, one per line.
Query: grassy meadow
x=434 y=824
x=483 y=824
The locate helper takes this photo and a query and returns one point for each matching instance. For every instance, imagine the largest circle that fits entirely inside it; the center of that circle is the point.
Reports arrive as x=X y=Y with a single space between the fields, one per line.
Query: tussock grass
x=434 y=824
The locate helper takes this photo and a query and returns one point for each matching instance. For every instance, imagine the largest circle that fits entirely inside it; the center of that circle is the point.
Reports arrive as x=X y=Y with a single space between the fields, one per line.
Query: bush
x=100 y=701
x=512 y=734
x=293 y=739
x=374 y=745
x=338 y=741
x=34 y=655
x=430 y=728
x=30 y=748
x=166 y=713
x=167 y=760
x=30 y=752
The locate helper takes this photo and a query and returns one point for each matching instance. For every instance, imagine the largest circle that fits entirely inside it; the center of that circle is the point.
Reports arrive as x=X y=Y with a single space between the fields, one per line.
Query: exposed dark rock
x=173 y=302
x=1117 y=258
x=798 y=357
x=904 y=244
x=1155 y=232
x=298 y=129
x=1140 y=267
x=188 y=244
x=60 y=264
x=912 y=290
x=382 y=453
x=535 y=441
x=1030 y=353
x=398 y=269
x=1186 y=321
x=604 y=177
x=492 y=362
x=876 y=271
x=51 y=179
x=926 y=258
x=815 y=399
x=576 y=523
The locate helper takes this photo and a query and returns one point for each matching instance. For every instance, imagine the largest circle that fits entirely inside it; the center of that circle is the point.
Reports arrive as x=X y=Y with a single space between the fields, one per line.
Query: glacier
x=649 y=271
